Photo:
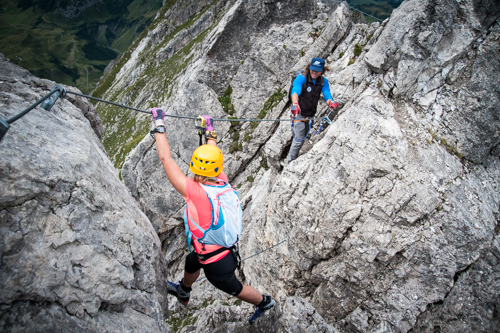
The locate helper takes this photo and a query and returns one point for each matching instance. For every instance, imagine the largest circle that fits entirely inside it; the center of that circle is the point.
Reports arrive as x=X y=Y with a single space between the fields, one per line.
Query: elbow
x=164 y=159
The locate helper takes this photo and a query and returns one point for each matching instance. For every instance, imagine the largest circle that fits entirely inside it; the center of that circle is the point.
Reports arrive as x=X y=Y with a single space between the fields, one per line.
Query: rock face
x=391 y=214
x=387 y=221
x=77 y=254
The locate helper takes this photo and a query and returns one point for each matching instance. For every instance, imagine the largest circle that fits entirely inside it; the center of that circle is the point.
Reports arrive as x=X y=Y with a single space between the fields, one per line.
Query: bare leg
x=250 y=295
x=189 y=279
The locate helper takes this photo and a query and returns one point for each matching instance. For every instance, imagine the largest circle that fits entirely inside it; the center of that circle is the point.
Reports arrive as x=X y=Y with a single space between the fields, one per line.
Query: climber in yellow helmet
x=213 y=236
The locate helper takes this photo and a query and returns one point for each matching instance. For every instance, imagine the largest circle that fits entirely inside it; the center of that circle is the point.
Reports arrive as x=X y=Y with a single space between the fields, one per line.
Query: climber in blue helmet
x=306 y=91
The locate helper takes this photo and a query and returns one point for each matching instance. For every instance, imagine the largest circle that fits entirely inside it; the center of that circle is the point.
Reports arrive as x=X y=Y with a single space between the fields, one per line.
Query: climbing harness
x=323 y=120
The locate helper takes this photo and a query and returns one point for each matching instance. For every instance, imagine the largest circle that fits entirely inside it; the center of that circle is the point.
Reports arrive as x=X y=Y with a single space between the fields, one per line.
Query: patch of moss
x=235 y=146
x=234 y=129
x=357 y=50
x=268 y=106
x=225 y=101
x=341 y=54
x=247 y=137
x=263 y=163
x=369 y=37
x=177 y=324
x=449 y=148
x=250 y=179
x=351 y=61
x=236 y=136
x=207 y=302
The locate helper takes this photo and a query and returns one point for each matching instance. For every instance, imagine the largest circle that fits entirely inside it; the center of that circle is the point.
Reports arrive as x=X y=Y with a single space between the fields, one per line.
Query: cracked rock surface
x=391 y=212
x=77 y=254
x=388 y=221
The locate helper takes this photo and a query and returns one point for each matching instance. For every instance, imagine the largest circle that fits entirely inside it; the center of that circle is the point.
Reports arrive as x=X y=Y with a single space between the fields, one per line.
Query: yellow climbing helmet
x=207 y=161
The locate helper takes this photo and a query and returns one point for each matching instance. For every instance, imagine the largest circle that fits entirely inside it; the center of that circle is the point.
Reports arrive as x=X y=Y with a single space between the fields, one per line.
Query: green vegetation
x=263 y=163
x=176 y=324
x=225 y=101
x=351 y=61
x=234 y=130
x=268 y=106
x=72 y=51
x=207 y=302
x=357 y=50
x=119 y=144
x=451 y=149
x=247 y=137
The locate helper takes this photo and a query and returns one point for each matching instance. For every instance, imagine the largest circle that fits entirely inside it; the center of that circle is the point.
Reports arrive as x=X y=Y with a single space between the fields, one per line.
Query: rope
x=253 y=255
x=4 y=124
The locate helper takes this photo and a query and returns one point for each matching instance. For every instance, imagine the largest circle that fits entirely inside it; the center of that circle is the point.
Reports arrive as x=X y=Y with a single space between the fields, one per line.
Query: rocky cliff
x=391 y=213
x=77 y=254
x=387 y=221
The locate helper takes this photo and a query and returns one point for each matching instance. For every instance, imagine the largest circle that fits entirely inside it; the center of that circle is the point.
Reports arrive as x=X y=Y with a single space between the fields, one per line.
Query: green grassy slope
x=71 y=50
x=135 y=126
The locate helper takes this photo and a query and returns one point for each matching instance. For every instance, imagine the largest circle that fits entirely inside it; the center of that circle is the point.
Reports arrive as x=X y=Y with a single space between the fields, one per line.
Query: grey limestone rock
x=77 y=254
x=388 y=215
x=387 y=221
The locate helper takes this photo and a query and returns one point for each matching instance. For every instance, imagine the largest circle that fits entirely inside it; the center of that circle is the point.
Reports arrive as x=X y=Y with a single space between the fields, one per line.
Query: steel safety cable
x=175 y=116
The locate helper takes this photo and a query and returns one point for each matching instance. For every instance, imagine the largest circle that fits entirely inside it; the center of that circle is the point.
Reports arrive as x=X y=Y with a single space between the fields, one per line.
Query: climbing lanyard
x=323 y=120
x=200 y=128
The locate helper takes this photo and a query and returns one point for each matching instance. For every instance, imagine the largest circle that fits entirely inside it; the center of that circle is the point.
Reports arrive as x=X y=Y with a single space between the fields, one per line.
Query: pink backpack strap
x=221 y=193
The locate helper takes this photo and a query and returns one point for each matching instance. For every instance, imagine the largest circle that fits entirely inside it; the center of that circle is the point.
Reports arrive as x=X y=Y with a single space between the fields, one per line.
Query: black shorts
x=220 y=273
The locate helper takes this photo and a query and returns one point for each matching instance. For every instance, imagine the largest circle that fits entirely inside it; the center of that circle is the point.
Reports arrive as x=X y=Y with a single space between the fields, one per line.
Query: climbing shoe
x=177 y=290
x=266 y=304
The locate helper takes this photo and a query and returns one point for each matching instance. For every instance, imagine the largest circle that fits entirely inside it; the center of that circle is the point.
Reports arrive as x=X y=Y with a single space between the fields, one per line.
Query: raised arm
x=174 y=173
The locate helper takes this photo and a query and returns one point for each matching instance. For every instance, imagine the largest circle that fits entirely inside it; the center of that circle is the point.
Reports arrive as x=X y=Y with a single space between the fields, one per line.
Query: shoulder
x=326 y=84
x=222 y=176
x=192 y=188
x=300 y=79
